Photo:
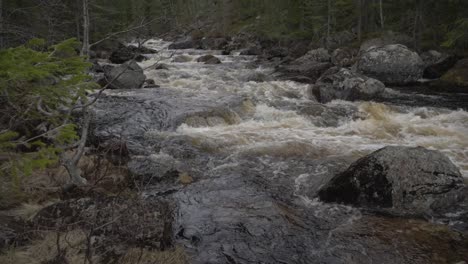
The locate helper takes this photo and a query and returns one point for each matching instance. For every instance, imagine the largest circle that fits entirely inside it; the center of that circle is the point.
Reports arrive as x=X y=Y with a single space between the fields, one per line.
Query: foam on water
x=284 y=132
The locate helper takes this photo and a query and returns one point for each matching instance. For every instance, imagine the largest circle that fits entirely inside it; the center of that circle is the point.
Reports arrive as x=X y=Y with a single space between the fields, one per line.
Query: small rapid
x=285 y=122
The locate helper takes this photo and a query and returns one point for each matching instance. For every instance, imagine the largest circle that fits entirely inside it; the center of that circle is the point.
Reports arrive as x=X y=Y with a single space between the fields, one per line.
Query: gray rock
x=209 y=59
x=307 y=68
x=437 y=64
x=402 y=180
x=389 y=38
x=105 y=48
x=391 y=64
x=126 y=76
x=252 y=51
x=344 y=57
x=316 y=55
x=214 y=43
x=344 y=84
x=182 y=58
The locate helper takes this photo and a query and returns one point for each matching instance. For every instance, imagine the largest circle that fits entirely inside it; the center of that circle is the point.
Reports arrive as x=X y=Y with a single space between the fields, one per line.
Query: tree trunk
x=2 y=41
x=359 y=17
x=382 y=22
x=328 y=22
x=85 y=49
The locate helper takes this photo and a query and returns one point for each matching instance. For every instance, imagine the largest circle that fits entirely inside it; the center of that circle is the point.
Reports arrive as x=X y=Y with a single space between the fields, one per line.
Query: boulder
x=214 y=43
x=105 y=48
x=307 y=68
x=344 y=57
x=391 y=64
x=127 y=53
x=344 y=84
x=252 y=51
x=209 y=59
x=182 y=58
x=458 y=75
x=437 y=64
x=150 y=83
x=400 y=180
x=126 y=76
x=316 y=55
x=388 y=39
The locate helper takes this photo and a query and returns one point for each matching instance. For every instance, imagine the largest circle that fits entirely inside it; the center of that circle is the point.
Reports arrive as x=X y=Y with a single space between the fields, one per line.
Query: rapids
x=281 y=125
x=251 y=153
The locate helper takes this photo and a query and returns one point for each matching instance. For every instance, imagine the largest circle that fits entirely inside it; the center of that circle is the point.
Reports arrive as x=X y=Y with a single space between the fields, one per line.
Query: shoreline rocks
x=344 y=84
x=391 y=64
x=400 y=180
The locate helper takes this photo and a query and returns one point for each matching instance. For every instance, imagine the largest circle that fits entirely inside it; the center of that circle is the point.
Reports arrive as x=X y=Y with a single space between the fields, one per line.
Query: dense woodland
x=429 y=23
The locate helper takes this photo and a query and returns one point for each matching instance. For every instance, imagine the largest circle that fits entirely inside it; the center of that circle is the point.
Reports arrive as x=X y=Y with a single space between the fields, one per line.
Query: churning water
x=283 y=121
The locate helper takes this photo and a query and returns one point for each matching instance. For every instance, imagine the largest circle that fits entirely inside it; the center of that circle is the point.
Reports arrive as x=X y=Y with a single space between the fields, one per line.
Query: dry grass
x=43 y=250
x=143 y=256
x=26 y=211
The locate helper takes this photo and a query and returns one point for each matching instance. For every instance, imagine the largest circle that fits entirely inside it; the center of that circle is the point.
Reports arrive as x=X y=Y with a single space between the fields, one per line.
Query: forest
x=429 y=23
x=233 y=131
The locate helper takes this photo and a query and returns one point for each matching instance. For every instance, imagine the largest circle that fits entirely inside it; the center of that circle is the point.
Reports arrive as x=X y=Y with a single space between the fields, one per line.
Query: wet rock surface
x=413 y=181
x=391 y=64
x=126 y=76
x=341 y=83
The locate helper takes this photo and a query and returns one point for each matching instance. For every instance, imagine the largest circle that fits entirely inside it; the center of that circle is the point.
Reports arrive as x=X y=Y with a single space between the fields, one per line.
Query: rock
x=276 y=52
x=161 y=66
x=437 y=64
x=307 y=68
x=187 y=43
x=391 y=64
x=344 y=57
x=341 y=83
x=316 y=55
x=257 y=77
x=458 y=75
x=403 y=180
x=388 y=39
x=126 y=76
x=126 y=53
x=182 y=58
x=149 y=83
x=209 y=59
x=214 y=43
x=132 y=222
x=252 y=51
x=105 y=48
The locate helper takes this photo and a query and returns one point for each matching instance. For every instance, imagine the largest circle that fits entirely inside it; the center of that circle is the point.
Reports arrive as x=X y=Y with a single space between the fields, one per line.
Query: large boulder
x=308 y=68
x=344 y=57
x=391 y=64
x=209 y=59
x=388 y=38
x=131 y=52
x=344 y=84
x=126 y=76
x=458 y=75
x=437 y=63
x=401 y=180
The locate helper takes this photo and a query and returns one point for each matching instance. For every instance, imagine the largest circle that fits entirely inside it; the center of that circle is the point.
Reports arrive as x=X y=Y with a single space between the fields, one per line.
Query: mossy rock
x=458 y=75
